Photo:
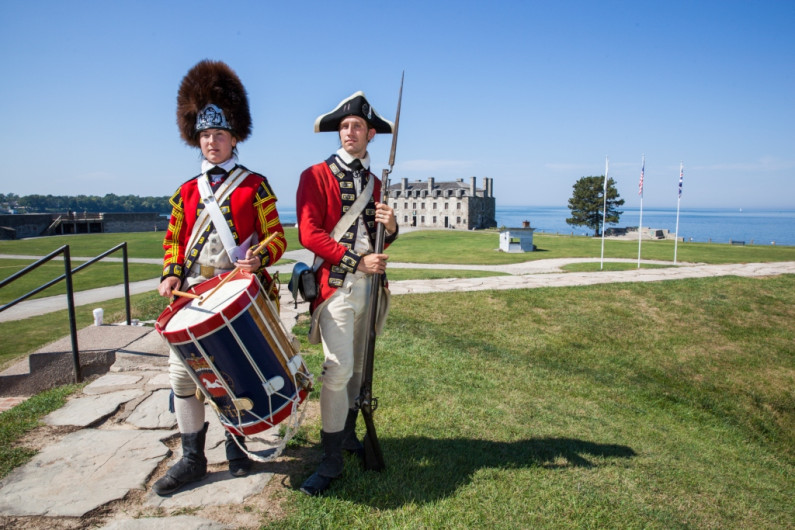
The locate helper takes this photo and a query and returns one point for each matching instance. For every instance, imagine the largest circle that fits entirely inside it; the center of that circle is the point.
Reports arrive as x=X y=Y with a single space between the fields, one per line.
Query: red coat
x=319 y=208
x=253 y=209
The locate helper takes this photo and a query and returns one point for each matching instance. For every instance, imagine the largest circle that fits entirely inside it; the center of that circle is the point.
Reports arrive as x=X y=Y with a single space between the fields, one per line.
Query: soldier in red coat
x=213 y=115
x=326 y=192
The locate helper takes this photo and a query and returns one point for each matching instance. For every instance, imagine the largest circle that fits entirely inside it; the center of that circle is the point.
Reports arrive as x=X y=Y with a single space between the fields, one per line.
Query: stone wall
x=26 y=224
x=134 y=222
x=20 y=226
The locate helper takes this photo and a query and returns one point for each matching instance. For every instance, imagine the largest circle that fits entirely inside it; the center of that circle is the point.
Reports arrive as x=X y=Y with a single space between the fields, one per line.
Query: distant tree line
x=110 y=203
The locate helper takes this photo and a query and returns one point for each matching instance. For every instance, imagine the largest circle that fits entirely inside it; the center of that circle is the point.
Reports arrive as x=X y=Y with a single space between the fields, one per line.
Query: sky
x=532 y=94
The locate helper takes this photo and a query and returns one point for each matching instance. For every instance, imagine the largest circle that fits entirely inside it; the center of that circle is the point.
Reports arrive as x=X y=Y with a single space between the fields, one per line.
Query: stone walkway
x=108 y=444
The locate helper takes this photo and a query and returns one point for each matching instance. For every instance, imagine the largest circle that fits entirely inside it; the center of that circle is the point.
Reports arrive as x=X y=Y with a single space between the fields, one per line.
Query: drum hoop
x=212 y=323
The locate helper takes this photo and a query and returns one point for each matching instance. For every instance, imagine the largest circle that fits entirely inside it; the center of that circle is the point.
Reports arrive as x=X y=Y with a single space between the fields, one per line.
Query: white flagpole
x=679 y=200
x=640 y=192
x=604 y=218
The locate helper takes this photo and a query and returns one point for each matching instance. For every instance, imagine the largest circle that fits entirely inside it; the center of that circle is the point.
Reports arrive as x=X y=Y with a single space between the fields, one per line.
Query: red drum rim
x=258 y=426
x=211 y=323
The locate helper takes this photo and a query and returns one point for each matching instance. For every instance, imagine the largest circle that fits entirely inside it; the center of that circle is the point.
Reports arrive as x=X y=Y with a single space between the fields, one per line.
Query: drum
x=238 y=352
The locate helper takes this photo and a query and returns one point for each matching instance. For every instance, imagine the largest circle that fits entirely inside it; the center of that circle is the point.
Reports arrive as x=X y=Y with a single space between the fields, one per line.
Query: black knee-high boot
x=190 y=468
x=350 y=442
x=331 y=465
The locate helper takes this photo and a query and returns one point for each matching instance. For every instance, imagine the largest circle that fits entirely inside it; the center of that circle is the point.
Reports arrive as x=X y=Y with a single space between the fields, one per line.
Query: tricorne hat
x=354 y=105
x=211 y=96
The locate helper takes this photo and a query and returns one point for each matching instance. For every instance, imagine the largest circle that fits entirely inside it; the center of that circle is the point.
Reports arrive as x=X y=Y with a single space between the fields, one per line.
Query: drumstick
x=237 y=269
x=265 y=242
x=220 y=284
x=184 y=294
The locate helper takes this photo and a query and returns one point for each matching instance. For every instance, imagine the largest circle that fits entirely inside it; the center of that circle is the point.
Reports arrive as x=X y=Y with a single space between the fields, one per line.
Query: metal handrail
x=70 y=299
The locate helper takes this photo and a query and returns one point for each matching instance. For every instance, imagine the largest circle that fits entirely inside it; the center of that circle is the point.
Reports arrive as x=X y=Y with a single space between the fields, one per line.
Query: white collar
x=343 y=155
x=226 y=166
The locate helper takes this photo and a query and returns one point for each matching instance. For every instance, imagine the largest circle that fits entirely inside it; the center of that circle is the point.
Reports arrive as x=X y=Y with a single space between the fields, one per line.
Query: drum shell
x=242 y=332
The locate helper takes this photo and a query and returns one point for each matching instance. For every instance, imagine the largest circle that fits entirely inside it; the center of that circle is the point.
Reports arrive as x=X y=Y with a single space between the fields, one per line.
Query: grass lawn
x=480 y=247
x=663 y=405
x=442 y=246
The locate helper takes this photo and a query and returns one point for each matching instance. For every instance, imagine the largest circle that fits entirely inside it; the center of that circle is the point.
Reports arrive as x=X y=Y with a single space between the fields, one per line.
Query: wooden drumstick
x=265 y=242
x=220 y=284
x=237 y=269
x=185 y=295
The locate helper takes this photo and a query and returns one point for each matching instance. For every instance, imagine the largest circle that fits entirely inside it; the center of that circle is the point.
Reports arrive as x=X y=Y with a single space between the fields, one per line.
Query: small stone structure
x=631 y=232
x=517 y=239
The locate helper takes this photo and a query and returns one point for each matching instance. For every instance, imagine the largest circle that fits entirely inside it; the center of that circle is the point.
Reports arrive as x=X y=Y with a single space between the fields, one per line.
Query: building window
x=413 y=205
x=422 y=206
x=434 y=219
x=446 y=206
x=458 y=220
x=422 y=219
x=434 y=206
x=405 y=206
x=458 y=206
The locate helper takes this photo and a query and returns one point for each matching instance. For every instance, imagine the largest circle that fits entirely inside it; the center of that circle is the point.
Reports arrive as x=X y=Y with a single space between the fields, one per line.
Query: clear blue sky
x=532 y=94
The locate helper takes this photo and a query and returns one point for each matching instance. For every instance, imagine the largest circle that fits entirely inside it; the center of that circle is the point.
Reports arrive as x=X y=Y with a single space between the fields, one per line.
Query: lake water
x=762 y=227
x=716 y=225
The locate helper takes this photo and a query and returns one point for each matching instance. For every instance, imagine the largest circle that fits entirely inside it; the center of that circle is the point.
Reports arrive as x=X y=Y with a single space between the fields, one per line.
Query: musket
x=366 y=403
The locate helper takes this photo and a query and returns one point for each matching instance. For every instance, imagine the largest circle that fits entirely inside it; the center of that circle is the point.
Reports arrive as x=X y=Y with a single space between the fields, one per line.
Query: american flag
x=642 y=169
x=681 y=175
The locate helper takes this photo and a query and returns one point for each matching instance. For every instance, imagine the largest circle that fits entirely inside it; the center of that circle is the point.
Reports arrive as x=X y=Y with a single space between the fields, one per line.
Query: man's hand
x=385 y=215
x=168 y=285
x=373 y=263
x=250 y=263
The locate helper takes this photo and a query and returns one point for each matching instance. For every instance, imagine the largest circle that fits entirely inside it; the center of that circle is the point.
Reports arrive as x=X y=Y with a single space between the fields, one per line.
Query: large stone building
x=434 y=204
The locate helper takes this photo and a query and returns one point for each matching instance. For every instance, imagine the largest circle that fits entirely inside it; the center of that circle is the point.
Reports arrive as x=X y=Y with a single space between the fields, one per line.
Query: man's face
x=354 y=136
x=216 y=145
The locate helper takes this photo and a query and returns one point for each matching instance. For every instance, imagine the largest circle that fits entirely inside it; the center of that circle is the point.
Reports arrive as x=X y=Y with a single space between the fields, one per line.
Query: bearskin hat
x=211 y=96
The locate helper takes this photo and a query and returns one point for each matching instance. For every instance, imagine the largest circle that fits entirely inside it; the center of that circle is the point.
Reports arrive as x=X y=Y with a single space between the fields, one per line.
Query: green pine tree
x=587 y=203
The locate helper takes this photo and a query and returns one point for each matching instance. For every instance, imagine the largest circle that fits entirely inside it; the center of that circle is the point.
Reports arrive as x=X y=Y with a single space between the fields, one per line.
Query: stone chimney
x=430 y=185
x=473 y=190
x=403 y=183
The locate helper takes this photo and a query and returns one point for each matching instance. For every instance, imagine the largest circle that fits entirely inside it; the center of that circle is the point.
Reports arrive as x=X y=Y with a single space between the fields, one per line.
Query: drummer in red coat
x=327 y=191
x=213 y=115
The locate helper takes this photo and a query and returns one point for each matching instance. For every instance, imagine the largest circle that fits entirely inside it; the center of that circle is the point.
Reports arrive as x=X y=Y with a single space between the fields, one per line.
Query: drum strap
x=203 y=224
x=211 y=206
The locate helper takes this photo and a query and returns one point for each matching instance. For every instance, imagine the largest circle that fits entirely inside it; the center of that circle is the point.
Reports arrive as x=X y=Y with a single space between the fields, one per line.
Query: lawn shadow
x=421 y=469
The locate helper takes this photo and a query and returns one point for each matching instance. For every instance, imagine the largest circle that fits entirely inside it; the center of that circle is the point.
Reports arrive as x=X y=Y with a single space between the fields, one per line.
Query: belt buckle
x=206 y=271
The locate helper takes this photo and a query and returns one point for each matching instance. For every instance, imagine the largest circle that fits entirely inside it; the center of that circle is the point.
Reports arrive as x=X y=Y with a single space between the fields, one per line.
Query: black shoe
x=239 y=463
x=240 y=467
x=315 y=484
x=192 y=467
x=330 y=467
